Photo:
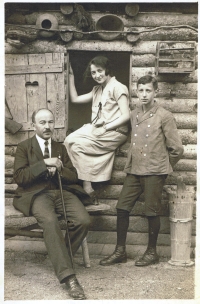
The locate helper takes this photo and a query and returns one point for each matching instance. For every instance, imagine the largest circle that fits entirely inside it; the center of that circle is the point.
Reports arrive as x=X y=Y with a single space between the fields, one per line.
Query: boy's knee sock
x=122 y=226
x=154 y=227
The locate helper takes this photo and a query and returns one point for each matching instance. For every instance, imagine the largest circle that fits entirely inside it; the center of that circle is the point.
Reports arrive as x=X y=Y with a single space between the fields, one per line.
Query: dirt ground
x=28 y=278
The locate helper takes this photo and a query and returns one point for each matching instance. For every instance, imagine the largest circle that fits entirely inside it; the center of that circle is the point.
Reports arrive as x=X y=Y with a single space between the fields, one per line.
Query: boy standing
x=155 y=148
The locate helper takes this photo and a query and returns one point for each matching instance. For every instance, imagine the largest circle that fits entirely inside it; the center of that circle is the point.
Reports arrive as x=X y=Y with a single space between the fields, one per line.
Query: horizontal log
x=146 y=69
x=189 y=178
x=10 y=139
x=143 y=19
x=9 y=172
x=133 y=238
x=169 y=34
x=9 y=162
x=13 y=232
x=107 y=191
x=172 y=104
x=9 y=180
x=169 y=90
x=190 y=151
x=138 y=209
x=10 y=150
x=10 y=188
x=154 y=19
x=182 y=165
x=117 y=178
x=136 y=224
x=186 y=121
x=150 y=7
x=188 y=136
x=148 y=60
x=45 y=46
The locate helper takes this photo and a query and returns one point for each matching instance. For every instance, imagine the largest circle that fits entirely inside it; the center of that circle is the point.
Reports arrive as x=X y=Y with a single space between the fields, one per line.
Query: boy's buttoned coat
x=155 y=143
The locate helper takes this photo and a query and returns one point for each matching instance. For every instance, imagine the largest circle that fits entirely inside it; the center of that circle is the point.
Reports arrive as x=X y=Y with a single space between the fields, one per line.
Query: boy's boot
x=149 y=257
x=118 y=256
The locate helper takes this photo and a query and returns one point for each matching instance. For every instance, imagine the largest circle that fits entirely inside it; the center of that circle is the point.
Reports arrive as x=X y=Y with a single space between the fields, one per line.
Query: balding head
x=43 y=123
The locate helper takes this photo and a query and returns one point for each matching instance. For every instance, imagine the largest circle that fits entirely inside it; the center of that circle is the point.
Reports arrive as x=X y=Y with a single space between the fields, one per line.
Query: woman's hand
x=100 y=122
x=70 y=70
x=99 y=131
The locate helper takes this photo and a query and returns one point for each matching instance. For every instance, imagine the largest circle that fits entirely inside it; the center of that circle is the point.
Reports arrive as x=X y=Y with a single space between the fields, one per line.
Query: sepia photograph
x=100 y=100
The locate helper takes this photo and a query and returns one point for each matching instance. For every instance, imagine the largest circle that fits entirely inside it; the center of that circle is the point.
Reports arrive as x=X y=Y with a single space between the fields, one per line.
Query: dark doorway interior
x=80 y=114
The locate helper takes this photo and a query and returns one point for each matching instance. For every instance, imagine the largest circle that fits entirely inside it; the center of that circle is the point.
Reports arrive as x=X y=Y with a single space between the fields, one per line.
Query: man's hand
x=54 y=162
x=52 y=171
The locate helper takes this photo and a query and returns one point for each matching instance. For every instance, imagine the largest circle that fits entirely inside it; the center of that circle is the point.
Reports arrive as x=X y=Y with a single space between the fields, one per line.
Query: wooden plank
x=36 y=59
x=16 y=60
x=34 y=69
x=16 y=97
x=36 y=96
x=55 y=97
x=48 y=58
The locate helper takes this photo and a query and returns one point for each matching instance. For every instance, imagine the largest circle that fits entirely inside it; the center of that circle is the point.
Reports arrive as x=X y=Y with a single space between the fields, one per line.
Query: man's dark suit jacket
x=30 y=174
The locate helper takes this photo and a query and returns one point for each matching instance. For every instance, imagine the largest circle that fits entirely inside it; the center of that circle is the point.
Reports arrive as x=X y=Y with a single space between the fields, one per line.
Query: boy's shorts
x=134 y=185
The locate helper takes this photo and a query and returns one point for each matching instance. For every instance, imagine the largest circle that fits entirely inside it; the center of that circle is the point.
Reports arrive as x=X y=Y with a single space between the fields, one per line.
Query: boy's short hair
x=148 y=79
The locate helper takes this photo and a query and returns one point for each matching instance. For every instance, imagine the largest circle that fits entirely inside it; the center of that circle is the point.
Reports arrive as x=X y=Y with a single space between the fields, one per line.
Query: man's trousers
x=46 y=207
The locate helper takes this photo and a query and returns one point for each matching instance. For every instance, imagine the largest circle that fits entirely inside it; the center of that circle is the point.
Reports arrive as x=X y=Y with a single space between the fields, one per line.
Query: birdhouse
x=175 y=57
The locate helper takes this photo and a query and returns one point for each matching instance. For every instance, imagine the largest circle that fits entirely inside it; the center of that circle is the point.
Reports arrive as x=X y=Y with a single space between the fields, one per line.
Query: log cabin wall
x=28 y=52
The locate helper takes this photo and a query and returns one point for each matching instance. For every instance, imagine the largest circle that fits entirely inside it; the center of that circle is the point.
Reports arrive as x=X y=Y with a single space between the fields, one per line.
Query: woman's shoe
x=94 y=197
x=118 y=256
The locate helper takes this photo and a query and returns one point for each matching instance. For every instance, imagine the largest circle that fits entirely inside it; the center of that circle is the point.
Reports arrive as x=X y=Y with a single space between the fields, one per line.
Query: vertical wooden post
x=181 y=211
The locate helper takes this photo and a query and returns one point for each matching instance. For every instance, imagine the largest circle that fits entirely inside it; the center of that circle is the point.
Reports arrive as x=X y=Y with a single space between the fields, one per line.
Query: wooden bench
x=16 y=224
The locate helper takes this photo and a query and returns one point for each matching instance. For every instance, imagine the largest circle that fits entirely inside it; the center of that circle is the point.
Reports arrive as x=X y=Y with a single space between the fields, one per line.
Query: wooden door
x=35 y=81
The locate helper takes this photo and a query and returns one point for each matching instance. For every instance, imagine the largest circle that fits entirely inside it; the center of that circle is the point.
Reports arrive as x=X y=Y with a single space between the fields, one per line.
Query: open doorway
x=79 y=114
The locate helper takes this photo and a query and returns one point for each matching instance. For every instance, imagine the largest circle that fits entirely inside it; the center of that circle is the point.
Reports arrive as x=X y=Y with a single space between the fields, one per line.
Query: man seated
x=35 y=172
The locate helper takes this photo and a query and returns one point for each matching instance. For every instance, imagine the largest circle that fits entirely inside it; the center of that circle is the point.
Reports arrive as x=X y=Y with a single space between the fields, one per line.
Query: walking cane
x=65 y=217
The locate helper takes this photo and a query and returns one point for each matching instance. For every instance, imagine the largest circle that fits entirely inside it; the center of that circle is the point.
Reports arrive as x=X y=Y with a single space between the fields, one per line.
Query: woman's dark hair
x=100 y=61
x=148 y=79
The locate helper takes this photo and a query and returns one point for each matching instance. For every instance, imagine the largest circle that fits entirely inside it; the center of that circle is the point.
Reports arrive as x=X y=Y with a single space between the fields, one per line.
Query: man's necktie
x=46 y=150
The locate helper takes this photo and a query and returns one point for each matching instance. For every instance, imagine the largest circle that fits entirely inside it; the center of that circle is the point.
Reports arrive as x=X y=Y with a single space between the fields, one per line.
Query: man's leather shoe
x=74 y=289
x=149 y=257
x=118 y=256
